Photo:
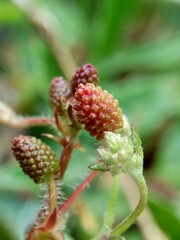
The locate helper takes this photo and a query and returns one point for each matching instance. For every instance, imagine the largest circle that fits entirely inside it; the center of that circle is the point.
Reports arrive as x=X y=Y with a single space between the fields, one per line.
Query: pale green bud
x=120 y=153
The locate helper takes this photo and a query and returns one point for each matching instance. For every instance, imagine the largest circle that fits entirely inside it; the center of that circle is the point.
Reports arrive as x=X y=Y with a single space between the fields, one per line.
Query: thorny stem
x=77 y=192
x=129 y=220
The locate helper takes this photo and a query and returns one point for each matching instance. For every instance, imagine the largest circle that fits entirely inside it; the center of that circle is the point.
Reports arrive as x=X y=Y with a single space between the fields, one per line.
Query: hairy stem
x=52 y=192
x=77 y=192
x=129 y=220
x=45 y=223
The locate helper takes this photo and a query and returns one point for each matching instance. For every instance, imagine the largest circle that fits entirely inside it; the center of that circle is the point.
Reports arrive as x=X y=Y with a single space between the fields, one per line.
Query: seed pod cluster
x=97 y=110
x=36 y=158
x=59 y=92
x=87 y=73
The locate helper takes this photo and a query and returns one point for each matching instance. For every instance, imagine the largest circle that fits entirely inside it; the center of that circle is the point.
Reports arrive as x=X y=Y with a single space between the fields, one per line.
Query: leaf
x=166 y=218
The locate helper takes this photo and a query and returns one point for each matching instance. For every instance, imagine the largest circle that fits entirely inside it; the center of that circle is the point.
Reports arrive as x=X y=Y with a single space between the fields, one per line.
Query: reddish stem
x=30 y=122
x=77 y=192
x=58 y=124
x=65 y=157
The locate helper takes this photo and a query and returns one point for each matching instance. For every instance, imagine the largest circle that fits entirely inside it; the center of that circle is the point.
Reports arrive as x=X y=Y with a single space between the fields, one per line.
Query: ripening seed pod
x=87 y=73
x=59 y=92
x=97 y=110
x=36 y=158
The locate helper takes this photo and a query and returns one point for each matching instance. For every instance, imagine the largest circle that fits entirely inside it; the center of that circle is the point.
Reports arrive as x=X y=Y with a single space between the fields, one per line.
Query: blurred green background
x=135 y=45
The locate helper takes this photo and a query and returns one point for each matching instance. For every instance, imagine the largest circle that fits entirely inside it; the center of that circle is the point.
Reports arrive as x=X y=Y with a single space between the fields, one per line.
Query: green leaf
x=166 y=218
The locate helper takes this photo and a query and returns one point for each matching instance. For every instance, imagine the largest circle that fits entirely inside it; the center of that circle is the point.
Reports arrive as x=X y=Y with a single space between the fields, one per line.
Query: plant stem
x=129 y=220
x=45 y=223
x=30 y=122
x=77 y=192
x=58 y=124
x=109 y=217
x=65 y=157
x=52 y=192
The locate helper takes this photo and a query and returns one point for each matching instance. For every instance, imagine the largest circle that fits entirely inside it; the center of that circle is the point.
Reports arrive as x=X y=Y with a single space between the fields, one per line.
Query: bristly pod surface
x=87 y=73
x=36 y=158
x=97 y=110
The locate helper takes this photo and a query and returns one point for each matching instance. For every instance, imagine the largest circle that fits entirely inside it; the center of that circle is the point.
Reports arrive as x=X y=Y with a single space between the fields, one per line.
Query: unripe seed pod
x=59 y=92
x=36 y=158
x=87 y=73
x=97 y=110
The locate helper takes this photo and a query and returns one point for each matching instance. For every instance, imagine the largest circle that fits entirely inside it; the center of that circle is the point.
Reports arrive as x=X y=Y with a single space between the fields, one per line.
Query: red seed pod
x=59 y=92
x=87 y=73
x=97 y=110
x=36 y=158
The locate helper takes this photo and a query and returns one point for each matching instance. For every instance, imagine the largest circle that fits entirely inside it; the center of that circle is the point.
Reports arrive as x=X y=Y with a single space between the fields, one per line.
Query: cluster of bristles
x=91 y=106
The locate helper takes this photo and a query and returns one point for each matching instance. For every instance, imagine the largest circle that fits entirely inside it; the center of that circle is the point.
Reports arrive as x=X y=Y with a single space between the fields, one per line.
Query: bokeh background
x=135 y=44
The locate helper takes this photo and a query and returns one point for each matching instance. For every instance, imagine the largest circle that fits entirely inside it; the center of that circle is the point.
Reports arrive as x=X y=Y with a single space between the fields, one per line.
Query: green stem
x=109 y=217
x=129 y=220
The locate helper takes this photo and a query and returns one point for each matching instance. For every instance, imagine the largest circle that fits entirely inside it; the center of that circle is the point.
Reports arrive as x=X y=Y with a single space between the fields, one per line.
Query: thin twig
x=65 y=157
x=25 y=122
x=58 y=124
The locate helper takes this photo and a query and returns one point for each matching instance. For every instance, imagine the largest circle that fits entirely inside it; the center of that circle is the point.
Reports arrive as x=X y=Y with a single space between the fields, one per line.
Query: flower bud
x=87 y=73
x=97 y=110
x=36 y=158
x=120 y=154
x=59 y=92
